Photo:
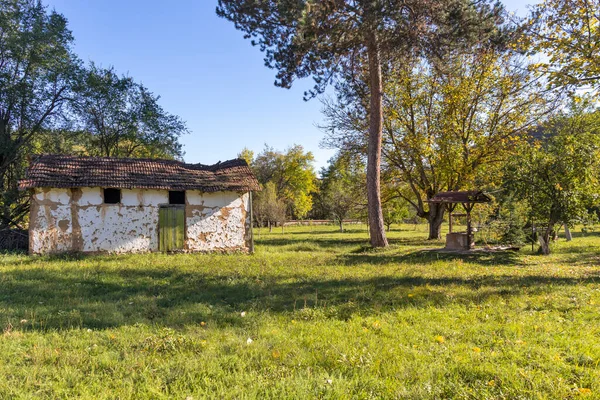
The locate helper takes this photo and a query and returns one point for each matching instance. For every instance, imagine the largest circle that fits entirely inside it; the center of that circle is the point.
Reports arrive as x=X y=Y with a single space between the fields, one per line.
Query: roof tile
x=469 y=196
x=61 y=171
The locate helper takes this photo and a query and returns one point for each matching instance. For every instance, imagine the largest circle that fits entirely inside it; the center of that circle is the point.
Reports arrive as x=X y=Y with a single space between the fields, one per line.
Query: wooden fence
x=309 y=222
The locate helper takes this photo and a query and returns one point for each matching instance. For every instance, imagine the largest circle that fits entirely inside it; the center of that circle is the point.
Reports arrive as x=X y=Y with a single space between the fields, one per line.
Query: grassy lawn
x=313 y=314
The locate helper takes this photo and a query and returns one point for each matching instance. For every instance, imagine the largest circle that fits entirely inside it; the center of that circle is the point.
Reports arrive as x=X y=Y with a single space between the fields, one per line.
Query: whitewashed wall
x=217 y=221
x=78 y=220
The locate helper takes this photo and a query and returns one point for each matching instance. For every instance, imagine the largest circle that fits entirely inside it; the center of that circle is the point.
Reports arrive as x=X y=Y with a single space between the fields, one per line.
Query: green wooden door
x=171 y=228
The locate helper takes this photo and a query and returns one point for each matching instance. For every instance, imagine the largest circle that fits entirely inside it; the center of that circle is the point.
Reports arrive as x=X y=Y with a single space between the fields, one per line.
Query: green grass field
x=313 y=314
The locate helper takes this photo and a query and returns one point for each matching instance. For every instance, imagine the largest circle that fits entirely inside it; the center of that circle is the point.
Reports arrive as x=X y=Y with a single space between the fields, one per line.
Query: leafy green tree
x=268 y=207
x=293 y=175
x=36 y=72
x=557 y=174
x=395 y=211
x=333 y=41
x=508 y=219
x=123 y=118
x=567 y=33
x=343 y=187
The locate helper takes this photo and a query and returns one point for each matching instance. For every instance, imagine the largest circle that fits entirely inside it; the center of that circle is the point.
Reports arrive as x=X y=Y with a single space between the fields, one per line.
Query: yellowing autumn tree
x=292 y=174
x=449 y=125
x=450 y=128
x=567 y=34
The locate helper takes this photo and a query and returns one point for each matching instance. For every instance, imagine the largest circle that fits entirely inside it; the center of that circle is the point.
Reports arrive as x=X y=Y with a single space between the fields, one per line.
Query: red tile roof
x=128 y=173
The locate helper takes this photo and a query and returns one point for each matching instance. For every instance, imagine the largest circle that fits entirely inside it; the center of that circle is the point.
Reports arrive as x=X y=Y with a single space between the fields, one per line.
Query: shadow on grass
x=580 y=255
x=111 y=291
x=579 y=234
x=13 y=252
x=24 y=259
x=574 y=248
x=100 y=298
x=343 y=243
x=367 y=256
x=322 y=243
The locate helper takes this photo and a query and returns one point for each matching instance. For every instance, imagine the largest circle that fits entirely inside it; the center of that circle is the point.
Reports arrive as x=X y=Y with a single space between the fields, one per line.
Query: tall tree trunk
x=568 y=233
x=376 y=225
x=545 y=238
x=435 y=218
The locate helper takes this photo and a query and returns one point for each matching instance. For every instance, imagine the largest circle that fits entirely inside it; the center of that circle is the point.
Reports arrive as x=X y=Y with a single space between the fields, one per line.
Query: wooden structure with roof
x=467 y=199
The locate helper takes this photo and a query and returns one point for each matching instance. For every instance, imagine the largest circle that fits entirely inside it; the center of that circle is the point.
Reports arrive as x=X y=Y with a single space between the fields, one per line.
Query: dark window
x=176 y=197
x=112 y=196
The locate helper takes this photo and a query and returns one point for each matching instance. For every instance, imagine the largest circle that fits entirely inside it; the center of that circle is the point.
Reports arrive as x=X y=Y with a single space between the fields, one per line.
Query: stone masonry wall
x=77 y=220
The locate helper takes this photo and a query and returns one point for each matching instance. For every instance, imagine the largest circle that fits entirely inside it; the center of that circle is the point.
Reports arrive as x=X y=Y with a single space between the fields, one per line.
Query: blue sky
x=204 y=71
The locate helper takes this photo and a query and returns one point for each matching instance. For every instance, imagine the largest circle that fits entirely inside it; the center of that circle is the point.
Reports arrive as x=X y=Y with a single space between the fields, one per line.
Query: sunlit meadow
x=313 y=314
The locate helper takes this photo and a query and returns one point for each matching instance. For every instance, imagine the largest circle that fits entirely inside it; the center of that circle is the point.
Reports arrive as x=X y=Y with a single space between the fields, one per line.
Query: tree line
x=52 y=102
x=293 y=190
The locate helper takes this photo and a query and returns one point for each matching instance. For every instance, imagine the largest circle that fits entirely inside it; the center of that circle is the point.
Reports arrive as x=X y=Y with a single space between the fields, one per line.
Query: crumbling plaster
x=65 y=220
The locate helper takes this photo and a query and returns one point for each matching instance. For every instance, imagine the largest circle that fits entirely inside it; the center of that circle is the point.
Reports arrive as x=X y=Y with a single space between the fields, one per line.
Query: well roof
x=59 y=171
x=469 y=196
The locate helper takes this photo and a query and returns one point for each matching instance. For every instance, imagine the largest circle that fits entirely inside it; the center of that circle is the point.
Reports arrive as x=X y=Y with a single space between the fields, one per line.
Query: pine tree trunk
x=435 y=219
x=376 y=225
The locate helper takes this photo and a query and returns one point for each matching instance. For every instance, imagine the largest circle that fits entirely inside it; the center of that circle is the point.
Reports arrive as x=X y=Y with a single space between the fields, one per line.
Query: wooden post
x=469 y=230
x=450 y=208
x=468 y=207
x=251 y=226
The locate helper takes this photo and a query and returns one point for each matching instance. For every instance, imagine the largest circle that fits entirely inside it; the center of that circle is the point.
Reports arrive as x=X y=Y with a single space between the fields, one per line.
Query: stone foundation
x=458 y=241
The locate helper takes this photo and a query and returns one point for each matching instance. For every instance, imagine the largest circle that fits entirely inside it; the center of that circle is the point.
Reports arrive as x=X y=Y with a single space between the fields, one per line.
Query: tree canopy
x=292 y=175
x=342 y=187
x=557 y=172
x=37 y=67
x=123 y=117
x=567 y=35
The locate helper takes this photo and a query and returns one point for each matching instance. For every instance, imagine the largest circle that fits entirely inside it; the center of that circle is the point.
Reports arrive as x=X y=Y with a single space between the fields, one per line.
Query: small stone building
x=122 y=205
